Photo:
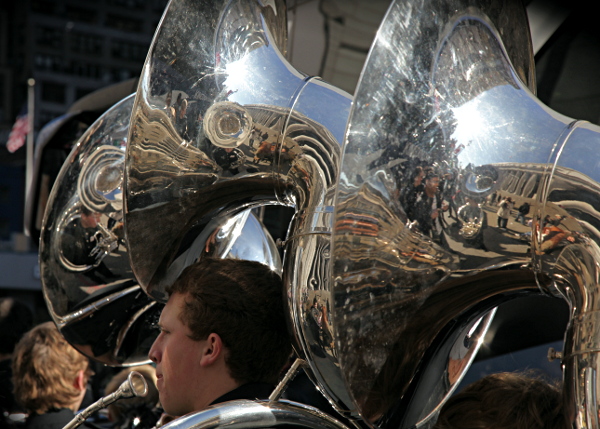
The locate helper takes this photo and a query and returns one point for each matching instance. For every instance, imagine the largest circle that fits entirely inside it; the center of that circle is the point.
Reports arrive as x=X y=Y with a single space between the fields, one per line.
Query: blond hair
x=44 y=369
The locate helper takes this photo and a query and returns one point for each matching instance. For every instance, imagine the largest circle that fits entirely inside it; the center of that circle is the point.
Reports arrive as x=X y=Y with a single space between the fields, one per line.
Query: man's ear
x=213 y=349
x=80 y=382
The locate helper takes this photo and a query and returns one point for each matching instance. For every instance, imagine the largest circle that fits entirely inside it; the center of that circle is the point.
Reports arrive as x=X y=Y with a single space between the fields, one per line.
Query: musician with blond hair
x=49 y=376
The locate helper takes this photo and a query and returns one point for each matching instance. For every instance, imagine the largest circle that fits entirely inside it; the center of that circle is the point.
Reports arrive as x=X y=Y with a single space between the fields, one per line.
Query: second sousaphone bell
x=90 y=291
x=456 y=98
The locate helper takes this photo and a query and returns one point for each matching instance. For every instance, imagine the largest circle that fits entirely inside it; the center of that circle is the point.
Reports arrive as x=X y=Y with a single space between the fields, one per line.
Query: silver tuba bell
x=249 y=130
x=448 y=85
x=458 y=96
x=90 y=290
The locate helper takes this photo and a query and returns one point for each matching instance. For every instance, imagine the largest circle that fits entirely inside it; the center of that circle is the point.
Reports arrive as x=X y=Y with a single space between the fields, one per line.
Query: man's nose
x=154 y=353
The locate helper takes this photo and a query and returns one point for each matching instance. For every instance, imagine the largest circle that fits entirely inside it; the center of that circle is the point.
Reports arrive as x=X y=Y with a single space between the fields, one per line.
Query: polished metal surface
x=248 y=130
x=135 y=385
x=87 y=282
x=89 y=288
x=457 y=97
x=257 y=414
x=222 y=122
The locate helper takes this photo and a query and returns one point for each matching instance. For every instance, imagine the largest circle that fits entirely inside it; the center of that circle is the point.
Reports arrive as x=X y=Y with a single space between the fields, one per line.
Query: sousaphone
x=449 y=85
x=89 y=288
x=222 y=122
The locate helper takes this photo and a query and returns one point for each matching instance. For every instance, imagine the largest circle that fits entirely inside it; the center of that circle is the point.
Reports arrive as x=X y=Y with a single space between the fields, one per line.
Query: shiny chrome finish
x=457 y=96
x=135 y=385
x=249 y=130
x=88 y=285
x=286 y=379
x=250 y=127
x=258 y=414
x=89 y=288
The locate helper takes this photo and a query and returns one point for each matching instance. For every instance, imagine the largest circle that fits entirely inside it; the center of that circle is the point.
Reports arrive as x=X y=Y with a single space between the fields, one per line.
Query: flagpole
x=30 y=141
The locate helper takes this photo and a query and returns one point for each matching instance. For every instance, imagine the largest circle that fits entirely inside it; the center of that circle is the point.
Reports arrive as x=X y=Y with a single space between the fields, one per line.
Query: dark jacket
x=53 y=419
x=524 y=209
x=247 y=391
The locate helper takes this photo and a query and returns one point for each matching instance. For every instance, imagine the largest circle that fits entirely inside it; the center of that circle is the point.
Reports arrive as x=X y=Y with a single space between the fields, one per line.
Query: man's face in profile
x=177 y=358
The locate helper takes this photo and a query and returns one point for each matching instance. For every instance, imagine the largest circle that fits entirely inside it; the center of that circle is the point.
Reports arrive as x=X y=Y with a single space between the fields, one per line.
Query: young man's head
x=48 y=372
x=223 y=326
x=418 y=176
x=507 y=401
x=432 y=181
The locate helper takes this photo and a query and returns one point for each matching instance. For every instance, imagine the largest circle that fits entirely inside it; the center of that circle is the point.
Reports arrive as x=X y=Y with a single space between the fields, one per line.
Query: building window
x=128 y=51
x=54 y=92
x=50 y=37
x=118 y=75
x=124 y=23
x=43 y=7
x=86 y=43
x=4 y=228
x=129 y=4
x=45 y=116
x=88 y=70
x=159 y=5
x=80 y=14
x=48 y=62
x=82 y=92
x=4 y=194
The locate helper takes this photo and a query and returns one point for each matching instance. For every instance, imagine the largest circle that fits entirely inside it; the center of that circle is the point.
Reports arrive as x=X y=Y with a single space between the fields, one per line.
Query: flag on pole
x=19 y=131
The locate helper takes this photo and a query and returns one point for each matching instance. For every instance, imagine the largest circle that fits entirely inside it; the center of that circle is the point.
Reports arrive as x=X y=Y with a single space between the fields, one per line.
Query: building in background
x=71 y=48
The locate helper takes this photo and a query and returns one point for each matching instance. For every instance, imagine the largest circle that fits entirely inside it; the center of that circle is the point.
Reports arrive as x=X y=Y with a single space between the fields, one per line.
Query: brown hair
x=242 y=302
x=44 y=368
x=505 y=401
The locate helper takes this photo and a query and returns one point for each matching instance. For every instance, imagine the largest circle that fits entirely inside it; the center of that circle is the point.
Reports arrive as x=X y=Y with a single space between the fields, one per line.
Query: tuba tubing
x=135 y=385
x=256 y=414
